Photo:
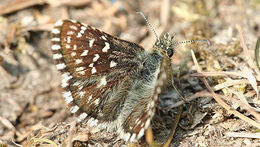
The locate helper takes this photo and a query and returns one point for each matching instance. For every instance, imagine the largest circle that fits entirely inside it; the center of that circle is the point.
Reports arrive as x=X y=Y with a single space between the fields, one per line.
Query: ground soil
x=33 y=112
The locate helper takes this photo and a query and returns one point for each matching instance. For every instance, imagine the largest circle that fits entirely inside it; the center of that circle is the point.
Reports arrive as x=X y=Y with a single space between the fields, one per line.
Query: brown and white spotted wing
x=95 y=67
x=112 y=83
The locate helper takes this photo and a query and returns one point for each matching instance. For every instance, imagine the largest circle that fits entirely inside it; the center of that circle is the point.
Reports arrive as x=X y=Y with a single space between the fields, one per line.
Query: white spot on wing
x=74 y=47
x=96 y=57
x=78 y=61
x=70 y=33
x=74 y=109
x=57 y=56
x=55 y=31
x=74 y=21
x=82 y=116
x=76 y=83
x=59 y=23
x=85 y=53
x=93 y=70
x=89 y=98
x=55 y=39
x=55 y=47
x=103 y=37
x=83 y=28
x=82 y=93
x=112 y=63
x=79 y=35
x=80 y=87
x=92 y=122
x=64 y=75
x=73 y=54
x=147 y=123
x=82 y=72
x=67 y=46
x=65 y=78
x=107 y=46
x=91 y=42
x=91 y=65
x=68 y=97
x=126 y=136
x=61 y=66
x=132 y=137
x=80 y=68
x=140 y=134
x=96 y=102
x=73 y=27
x=68 y=39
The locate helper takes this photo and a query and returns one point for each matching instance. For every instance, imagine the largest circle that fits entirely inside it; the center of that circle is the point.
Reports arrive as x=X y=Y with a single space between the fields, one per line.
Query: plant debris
x=218 y=83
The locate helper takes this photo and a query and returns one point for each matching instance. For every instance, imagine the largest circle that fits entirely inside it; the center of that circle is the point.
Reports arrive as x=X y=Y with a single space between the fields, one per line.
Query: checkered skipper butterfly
x=111 y=83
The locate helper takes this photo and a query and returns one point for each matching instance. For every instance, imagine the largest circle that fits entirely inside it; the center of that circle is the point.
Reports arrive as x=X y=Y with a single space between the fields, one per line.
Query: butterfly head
x=167 y=43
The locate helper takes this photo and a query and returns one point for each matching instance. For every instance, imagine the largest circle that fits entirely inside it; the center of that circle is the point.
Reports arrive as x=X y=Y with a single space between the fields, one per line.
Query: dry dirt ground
x=221 y=102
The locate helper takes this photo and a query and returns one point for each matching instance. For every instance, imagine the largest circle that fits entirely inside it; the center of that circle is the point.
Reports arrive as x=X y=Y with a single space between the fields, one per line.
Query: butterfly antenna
x=191 y=41
x=148 y=23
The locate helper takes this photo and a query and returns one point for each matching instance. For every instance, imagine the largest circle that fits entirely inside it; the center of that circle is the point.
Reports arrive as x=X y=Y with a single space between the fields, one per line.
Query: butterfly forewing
x=91 y=64
x=86 y=50
x=112 y=83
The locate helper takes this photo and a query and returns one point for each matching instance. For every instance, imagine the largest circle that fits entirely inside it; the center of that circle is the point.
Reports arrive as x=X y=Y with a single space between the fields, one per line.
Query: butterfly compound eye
x=170 y=52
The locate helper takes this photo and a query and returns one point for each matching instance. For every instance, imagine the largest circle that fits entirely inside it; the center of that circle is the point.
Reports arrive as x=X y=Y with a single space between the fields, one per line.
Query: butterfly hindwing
x=140 y=117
